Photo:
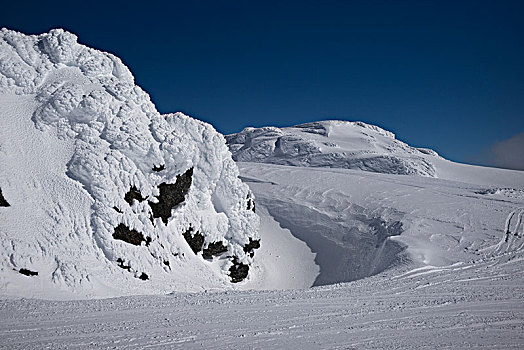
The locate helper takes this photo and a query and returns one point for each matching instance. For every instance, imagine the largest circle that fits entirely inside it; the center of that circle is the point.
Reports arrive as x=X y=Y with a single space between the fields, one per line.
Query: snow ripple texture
x=332 y=144
x=85 y=103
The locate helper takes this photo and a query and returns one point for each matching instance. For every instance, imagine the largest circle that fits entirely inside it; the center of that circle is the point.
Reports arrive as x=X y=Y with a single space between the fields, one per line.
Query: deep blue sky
x=448 y=75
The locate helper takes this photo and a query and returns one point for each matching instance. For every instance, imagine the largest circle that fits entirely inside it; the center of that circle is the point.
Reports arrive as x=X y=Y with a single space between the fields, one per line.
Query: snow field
x=413 y=252
x=360 y=223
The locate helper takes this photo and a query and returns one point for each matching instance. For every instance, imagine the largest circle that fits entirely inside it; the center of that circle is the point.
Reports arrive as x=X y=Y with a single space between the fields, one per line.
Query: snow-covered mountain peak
x=332 y=143
x=325 y=127
x=107 y=196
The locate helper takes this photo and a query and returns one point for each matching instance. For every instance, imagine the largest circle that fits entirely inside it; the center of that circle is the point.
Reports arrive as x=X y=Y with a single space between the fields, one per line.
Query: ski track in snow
x=472 y=307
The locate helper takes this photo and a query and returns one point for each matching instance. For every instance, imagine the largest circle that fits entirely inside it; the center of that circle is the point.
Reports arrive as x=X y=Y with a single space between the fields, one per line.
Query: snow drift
x=332 y=144
x=106 y=196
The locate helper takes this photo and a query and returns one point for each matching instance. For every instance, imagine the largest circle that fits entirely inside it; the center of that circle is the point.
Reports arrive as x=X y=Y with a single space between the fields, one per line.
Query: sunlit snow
x=365 y=241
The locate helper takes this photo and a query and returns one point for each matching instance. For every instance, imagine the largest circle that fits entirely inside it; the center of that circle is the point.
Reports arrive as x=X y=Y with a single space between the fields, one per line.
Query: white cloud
x=509 y=153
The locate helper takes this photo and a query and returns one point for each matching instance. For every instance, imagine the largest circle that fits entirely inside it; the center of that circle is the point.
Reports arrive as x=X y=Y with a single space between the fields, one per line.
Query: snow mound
x=108 y=197
x=332 y=144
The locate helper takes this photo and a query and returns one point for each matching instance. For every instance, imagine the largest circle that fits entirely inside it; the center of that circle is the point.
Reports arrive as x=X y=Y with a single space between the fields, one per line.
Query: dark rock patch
x=133 y=194
x=115 y=208
x=144 y=276
x=195 y=241
x=171 y=195
x=159 y=168
x=166 y=262
x=3 y=202
x=124 y=233
x=251 y=205
x=120 y=263
x=28 y=272
x=214 y=249
x=252 y=245
x=238 y=272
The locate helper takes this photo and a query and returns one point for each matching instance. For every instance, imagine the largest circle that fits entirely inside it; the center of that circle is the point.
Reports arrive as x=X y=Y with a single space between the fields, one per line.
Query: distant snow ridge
x=333 y=144
x=114 y=198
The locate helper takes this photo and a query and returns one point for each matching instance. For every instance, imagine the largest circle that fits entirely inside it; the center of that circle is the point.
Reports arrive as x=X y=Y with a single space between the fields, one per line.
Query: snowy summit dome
x=332 y=144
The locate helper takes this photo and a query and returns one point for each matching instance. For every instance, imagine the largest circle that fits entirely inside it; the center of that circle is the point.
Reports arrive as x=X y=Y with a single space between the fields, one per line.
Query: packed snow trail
x=470 y=307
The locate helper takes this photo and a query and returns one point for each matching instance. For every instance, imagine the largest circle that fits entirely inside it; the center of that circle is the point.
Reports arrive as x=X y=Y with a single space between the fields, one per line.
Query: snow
x=360 y=223
x=365 y=242
x=457 y=282
x=76 y=136
x=333 y=144
x=460 y=307
x=283 y=261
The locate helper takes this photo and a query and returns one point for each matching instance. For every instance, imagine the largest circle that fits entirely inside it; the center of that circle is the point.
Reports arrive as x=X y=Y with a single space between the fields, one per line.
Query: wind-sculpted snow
x=361 y=224
x=333 y=144
x=100 y=158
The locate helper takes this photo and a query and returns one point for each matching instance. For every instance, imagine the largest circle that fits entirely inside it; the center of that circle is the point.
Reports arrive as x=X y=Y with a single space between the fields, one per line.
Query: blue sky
x=448 y=75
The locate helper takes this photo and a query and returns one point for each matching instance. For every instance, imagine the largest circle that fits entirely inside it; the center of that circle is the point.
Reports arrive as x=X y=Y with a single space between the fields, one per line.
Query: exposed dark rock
x=166 y=262
x=159 y=168
x=120 y=263
x=133 y=194
x=251 y=205
x=252 y=245
x=144 y=276
x=3 y=202
x=238 y=272
x=214 y=249
x=195 y=241
x=123 y=233
x=28 y=272
x=171 y=195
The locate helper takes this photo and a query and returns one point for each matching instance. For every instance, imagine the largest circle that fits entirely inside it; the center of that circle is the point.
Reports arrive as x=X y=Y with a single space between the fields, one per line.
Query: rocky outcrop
x=171 y=195
x=124 y=233
x=28 y=272
x=3 y=202
x=120 y=180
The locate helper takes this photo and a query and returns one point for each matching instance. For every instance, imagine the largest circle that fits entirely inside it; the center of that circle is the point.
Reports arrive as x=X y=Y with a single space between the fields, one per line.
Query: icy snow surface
x=84 y=151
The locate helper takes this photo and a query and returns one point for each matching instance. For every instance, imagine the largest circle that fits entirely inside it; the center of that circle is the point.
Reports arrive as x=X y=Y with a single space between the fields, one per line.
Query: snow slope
x=334 y=144
x=104 y=192
x=361 y=224
x=451 y=278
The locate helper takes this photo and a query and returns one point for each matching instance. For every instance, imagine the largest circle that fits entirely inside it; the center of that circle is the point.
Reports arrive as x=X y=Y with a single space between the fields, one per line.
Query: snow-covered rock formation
x=104 y=195
x=333 y=144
